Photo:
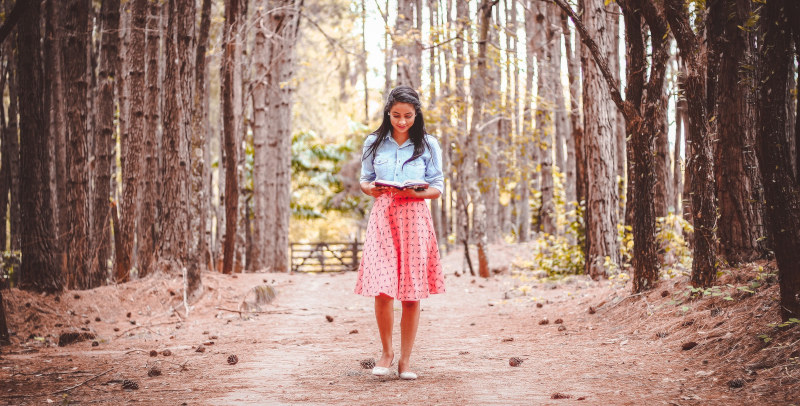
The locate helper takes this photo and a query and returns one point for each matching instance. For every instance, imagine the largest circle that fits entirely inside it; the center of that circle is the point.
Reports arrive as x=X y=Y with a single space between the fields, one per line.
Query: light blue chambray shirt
x=387 y=164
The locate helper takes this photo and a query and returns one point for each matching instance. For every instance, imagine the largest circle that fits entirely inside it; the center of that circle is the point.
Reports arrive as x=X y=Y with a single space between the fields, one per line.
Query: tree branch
x=599 y=59
x=13 y=18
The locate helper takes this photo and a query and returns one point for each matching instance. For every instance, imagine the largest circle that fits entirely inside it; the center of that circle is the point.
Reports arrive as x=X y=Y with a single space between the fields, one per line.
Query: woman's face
x=402 y=117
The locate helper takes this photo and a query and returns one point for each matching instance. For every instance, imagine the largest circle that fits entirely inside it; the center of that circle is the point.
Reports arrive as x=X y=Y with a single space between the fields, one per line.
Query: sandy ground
x=626 y=353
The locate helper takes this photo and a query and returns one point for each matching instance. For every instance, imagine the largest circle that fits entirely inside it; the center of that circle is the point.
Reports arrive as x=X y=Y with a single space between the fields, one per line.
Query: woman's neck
x=399 y=138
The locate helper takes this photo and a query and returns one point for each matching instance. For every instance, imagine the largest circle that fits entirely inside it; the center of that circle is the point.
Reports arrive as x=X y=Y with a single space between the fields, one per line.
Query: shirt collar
x=405 y=144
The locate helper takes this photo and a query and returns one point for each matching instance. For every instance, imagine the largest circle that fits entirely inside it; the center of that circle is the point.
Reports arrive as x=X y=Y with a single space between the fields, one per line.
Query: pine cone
x=126 y=384
x=233 y=359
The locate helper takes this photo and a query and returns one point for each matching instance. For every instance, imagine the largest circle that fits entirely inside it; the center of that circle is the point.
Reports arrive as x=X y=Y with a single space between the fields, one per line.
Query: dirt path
x=296 y=356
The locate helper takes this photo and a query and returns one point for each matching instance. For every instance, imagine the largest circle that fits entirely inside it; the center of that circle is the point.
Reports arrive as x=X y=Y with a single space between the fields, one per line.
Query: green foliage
x=676 y=254
x=11 y=260
x=314 y=168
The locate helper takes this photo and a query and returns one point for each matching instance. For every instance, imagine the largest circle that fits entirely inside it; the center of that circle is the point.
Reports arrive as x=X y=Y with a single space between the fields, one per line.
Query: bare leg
x=409 y=322
x=384 y=314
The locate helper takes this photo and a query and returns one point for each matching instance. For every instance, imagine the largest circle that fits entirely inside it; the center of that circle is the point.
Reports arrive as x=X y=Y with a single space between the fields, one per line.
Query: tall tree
x=774 y=160
x=284 y=24
x=737 y=178
x=11 y=152
x=230 y=131
x=576 y=170
x=703 y=196
x=407 y=43
x=545 y=112
x=132 y=141
x=76 y=38
x=263 y=165
x=104 y=138
x=39 y=270
x=199 y=165
x=602 y=197
x=147 y=238
x=525 y=142
x=478 y=123
x=641 y=127
x=462 y=161
x=178 y=89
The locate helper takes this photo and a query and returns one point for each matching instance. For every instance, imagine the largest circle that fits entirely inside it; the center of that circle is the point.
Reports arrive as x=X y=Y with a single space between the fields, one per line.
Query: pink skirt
x=401 y=257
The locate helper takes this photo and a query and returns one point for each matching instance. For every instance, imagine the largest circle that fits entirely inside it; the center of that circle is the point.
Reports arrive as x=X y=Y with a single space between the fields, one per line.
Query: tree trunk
x=602 y=198
x=285 y=24
x=525 y=143
x=81 y=276
x=462 y=153
x=263 y=165
x=11 y=154
x=178 y=87
x=575 y=184
x=704 y=208
x=479 y=116
x=39 y=270
x=5 y=155
x=147 y=229
x=199 y=166
x=677 y=175
x=132 y=141
x=562 y=124
x=544 y=132
x=231 y=132
x=4 y=337
x=780 y=186
x=104 y=143
x=737 y=178
x=406 y=44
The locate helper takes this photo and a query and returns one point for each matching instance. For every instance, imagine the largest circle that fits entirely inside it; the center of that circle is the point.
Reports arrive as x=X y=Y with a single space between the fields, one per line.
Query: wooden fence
x=325 y=256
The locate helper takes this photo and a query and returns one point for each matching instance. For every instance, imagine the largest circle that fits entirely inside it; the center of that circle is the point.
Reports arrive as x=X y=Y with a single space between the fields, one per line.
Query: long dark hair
x=401 y=94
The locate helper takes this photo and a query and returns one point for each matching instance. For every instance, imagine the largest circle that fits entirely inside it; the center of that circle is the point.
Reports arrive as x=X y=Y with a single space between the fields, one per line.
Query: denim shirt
x=387 y=163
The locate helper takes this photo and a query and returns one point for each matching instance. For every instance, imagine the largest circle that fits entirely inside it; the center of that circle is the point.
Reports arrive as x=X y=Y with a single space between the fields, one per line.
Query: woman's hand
x=375 y=191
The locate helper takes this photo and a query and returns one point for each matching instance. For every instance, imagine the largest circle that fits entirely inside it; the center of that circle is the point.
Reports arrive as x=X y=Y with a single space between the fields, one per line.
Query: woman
x=401 y=258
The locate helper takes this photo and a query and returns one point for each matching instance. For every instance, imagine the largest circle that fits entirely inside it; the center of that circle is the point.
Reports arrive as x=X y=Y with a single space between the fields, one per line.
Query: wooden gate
x=325 y=256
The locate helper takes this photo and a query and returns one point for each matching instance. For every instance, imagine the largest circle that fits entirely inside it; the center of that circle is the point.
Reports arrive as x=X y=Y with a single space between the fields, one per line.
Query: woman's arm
x=429 y=193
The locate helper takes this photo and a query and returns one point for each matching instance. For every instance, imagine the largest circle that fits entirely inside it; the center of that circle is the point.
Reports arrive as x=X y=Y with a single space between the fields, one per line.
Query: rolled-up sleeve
x=367 y=170
x=433 y=169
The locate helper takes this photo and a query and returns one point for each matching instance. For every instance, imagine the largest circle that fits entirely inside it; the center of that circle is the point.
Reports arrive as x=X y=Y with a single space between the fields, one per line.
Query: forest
x=625 y=140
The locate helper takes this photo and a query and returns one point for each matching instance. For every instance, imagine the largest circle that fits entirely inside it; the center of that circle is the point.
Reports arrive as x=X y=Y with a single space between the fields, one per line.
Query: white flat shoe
x=380 y=371
x=409 y=376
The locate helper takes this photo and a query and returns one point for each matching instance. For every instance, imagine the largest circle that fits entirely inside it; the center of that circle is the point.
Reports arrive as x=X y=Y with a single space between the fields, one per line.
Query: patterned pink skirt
x=401 y=257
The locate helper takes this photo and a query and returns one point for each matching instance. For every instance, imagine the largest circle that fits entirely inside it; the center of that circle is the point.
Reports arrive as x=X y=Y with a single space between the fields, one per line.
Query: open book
x=408 y=184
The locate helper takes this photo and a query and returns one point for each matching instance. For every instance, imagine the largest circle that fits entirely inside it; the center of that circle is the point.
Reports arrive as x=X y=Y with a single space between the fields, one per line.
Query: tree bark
x=178 y=87
x=11 y=153
x=602 y=197
x=461 y=153
x=231 y=132
x=104 y=143
x=479 y=115
x=406 y=44
x=132 y=141
x=703 y=196
x=576 y=182
x=738 y=182
x=545 y=127
x=199 y=166
x=74 y=58
x=147 y=228
x=285 y=24
x=263 y=165
x=39 y=270
x=525 y=144
x=780 y=186
x=4 y=337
